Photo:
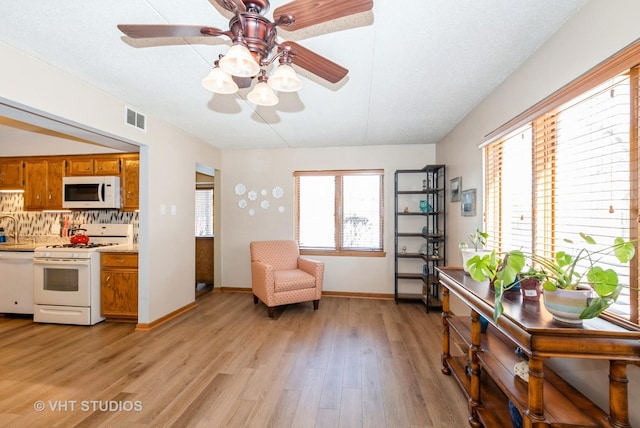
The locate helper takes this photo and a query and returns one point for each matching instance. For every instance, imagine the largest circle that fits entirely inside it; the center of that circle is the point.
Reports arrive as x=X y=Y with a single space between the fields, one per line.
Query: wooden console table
x=486 y=374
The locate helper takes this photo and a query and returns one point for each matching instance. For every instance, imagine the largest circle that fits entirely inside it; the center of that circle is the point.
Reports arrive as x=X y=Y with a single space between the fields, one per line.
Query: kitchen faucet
x=16 y=235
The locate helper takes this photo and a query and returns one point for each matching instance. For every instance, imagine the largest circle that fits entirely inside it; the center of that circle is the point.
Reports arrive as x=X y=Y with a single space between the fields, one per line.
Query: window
x=569 y=165
x=339 y=212
x=204 y=212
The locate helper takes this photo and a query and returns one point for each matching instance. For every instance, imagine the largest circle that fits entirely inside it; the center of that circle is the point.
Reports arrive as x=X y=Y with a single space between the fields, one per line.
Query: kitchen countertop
x=31 y=246
x=133 y=248
x=20 y=246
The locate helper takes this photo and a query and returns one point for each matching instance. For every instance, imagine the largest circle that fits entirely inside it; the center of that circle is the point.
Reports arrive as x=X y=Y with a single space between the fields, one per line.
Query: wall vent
x=135 y=119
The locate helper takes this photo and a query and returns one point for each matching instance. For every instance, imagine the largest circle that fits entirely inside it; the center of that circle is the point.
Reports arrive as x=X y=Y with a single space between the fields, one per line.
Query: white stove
x=67 y=276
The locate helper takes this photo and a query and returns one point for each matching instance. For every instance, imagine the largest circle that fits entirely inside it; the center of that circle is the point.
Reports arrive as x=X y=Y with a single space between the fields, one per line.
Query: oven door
x=61 y=282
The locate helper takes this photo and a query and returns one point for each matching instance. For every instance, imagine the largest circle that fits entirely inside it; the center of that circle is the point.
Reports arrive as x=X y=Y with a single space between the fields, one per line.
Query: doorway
x=204 y=234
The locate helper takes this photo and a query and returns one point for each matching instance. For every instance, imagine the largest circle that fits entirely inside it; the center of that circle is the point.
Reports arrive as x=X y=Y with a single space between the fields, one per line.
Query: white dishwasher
x=16 y=282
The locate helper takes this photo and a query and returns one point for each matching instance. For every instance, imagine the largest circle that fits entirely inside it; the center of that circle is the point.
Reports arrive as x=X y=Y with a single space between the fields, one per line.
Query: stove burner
x=89 y=245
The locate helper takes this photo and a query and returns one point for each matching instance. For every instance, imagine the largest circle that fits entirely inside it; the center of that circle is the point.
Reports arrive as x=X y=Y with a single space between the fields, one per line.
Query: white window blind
x=577 y=165
x=204 y=212
x=592 y=171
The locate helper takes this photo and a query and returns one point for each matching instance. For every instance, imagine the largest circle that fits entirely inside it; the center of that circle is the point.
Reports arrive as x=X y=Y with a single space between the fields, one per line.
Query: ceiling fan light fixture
x=262 y=95
x=219 y=82
x=239 y=62
x=285 y=79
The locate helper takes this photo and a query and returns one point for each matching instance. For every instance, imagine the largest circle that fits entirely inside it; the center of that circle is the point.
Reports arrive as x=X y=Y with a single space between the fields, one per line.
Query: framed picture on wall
x=455 y=188
x=468 y=205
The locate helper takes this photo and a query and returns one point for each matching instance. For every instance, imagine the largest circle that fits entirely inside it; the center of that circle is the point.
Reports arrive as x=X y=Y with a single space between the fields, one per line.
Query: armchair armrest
x=312 y=267
x=262 y=275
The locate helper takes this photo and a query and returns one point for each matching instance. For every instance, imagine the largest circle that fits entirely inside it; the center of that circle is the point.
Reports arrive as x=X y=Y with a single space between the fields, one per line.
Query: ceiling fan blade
x=316 y=64
x=312 y=12
x=136 y=31
x=229 y=5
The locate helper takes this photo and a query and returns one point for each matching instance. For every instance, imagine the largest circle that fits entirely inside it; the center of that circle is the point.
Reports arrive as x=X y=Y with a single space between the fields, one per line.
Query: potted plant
x=501 y=269
x=531 y=284
x=568 y=273
x=581 y=277
x=478 y=240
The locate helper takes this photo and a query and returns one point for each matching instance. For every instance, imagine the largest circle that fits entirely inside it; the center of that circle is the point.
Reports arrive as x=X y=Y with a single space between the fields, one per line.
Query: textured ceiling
x=416 y=68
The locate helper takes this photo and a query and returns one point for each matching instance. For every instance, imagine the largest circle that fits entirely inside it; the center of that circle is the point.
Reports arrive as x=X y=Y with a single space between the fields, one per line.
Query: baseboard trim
x=379 y=296
x=164 y=319
x=352 y=295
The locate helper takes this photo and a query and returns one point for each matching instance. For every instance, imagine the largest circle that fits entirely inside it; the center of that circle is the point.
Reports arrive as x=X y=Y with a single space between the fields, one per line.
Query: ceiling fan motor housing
x=258 y=33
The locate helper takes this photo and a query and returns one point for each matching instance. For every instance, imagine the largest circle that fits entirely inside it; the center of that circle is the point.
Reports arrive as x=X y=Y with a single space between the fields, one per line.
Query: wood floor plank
x=353 y=363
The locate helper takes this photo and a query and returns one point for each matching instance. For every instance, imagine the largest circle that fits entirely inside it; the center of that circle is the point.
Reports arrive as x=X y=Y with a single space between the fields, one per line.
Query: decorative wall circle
x=242 y=203
x=252 y=212
x=277 y=192
x=240 y=189
x=263 y=192
x=252 y=195
x=281 y=209
x=264 y=204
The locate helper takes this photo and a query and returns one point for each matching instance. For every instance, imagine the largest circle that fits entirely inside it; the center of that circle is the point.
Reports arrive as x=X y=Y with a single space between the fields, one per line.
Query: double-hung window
x=340 y=212
x=571 y=166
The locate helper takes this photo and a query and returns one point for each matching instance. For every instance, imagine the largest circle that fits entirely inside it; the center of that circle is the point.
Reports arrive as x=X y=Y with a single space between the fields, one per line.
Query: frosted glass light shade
x=263 y=95
x=220 y=82
x=285 y=79
x=239 y=62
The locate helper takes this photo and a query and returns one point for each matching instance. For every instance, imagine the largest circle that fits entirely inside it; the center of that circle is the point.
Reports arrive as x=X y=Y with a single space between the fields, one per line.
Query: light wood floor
x=353 y=363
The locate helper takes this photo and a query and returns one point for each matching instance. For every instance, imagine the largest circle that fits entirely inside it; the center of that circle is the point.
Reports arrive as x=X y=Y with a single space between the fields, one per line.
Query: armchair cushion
x=292 y=279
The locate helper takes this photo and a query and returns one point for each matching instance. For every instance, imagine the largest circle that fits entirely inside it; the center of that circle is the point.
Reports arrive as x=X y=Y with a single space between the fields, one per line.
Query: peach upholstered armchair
x=279 y=276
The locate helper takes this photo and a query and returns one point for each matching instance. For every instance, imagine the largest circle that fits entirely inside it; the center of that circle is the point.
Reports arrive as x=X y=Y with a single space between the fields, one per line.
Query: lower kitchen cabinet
x=119 y=286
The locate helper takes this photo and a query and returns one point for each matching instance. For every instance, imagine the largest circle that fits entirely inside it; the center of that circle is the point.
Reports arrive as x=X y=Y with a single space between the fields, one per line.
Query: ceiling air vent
x=136 y=119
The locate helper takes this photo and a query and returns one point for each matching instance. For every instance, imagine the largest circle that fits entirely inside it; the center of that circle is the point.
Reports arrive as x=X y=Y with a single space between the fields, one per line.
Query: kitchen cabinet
x=486 y=371
x=119 y=286
x=16 y=286
x=130 y=182
x=43 y=183
x=11 y=170
x=93 y=165
x=204 y=260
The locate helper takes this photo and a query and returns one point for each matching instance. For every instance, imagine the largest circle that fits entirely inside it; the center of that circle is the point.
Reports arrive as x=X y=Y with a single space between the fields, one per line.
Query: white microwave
x=91 y=192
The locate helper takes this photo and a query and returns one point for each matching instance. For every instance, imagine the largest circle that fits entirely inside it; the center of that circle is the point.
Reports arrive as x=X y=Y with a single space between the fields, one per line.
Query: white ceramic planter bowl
x=566 y=305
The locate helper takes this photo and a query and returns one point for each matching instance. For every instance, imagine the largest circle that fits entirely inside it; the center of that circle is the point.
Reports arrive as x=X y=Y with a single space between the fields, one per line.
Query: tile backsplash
x=44 y=225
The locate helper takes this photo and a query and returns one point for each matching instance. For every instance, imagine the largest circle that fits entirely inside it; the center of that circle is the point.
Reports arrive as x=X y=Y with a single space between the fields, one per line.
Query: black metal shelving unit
x=420 y=226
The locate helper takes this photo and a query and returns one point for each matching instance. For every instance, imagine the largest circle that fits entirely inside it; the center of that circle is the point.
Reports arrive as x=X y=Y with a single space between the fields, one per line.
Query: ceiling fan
x=255 y=46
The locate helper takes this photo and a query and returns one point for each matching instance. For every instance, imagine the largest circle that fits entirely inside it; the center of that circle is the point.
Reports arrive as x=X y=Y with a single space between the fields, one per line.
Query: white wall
x=265 y=169
x=596 y=32
x=167 y=172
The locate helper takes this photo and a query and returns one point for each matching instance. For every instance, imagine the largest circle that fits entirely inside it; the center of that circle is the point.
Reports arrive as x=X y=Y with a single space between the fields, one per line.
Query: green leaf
x=596 y=307
x=624 y=251
x=513 y=263
x=549 y=286
x=604 y=282
x=498 y=309
x=588 y=239
x=563 y=259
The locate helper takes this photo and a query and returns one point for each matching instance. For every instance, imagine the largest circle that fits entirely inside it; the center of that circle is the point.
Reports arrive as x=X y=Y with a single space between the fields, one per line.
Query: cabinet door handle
x=107 y=280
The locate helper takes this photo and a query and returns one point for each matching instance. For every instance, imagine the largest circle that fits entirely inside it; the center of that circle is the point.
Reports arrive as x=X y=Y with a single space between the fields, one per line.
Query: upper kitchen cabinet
x=43 y=183
x=11 y=174
x=93 y=165
x=130 y=182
